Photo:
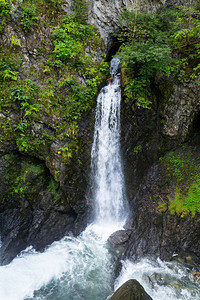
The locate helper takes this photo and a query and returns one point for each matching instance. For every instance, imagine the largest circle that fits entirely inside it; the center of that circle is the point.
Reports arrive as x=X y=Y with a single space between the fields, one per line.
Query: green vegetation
x=183 y=167
x=29 y=17
x=144 y=52
x=137 y=149
x=20 y=177
x=4 y=13
x=165 y=43
x=54 y=3
x=71 y=40
x=29 y=179
x=61 y=79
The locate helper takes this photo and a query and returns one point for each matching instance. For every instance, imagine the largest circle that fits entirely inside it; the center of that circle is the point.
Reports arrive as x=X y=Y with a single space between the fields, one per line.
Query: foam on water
x=161 y=280
x=73 y=265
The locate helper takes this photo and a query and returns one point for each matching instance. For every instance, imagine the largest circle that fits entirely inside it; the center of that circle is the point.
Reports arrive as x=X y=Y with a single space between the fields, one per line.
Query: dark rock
x=146 y=137
x=118 y=243
x=160 y=233
x=29 y=206
x=131 y=290
x=34 y=208
x=119 y=237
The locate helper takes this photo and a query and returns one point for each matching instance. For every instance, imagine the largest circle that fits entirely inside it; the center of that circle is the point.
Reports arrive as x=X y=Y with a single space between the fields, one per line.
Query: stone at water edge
x=131 y=290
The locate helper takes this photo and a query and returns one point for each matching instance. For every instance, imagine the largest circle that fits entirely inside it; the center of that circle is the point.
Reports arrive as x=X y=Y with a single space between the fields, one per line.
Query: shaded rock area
x=118 y=243
x=131 y=290
x=179 y=119
x=147 y=135
x=119 y=237
x=105 y=15
x=160 y=233
x=35 y=209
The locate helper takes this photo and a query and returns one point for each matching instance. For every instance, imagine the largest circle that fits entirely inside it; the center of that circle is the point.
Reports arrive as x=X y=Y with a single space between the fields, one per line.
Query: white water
x=161 y=280
x=73 y=268
x=107 y=176
x=82 y=268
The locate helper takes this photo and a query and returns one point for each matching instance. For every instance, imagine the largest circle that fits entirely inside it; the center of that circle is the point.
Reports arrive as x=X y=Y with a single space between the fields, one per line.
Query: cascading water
x=81 y=268
x=108 y=183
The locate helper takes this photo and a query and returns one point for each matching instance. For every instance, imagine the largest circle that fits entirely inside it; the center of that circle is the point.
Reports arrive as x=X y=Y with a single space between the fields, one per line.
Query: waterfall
x=107 y=176
x=81 y=268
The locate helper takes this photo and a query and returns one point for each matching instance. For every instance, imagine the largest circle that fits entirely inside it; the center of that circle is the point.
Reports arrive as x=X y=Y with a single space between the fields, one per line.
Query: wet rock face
x=105 y=14
x=181 y=109
x=33 y=211
x=160 y=234
x=144 y=139
x=34 y=208
x=131 y=290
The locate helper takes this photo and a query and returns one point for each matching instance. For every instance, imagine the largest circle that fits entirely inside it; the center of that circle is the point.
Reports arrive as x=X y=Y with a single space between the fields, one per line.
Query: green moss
x=183 y=167
x=162 y=207
x=137 y=149
x=23 y=185
x=26 y=179
x=6 y=130
x=54 y=189
x=19 y=177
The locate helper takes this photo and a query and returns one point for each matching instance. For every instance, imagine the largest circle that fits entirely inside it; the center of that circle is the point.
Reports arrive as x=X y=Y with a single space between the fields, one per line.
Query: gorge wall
x=46 y=137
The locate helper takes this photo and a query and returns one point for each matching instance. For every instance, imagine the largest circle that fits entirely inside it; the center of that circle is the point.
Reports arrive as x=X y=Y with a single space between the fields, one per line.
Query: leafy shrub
x=28 y=17
x=71 y=40
x=54 y=3
x=80 y=8
x=144 y=52
x=4 y=13
x=166 y=42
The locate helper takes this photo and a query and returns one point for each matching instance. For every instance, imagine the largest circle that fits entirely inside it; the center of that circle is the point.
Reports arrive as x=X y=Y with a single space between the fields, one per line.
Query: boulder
x=131 y=290
x=119 y=237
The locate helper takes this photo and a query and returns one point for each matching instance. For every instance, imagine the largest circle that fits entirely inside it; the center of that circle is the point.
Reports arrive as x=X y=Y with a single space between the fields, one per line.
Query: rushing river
x=82 y=268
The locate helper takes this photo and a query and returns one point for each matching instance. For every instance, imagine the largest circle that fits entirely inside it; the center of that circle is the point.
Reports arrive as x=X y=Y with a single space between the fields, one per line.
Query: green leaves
x=28 y=17
x=8 y=70
x=138 y=26
x=143 y=53
x=167 y=42
x=4 y=13
x=71 y=40
x=18 y=94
